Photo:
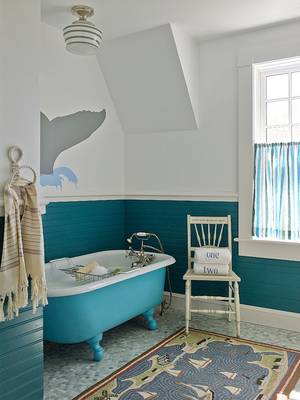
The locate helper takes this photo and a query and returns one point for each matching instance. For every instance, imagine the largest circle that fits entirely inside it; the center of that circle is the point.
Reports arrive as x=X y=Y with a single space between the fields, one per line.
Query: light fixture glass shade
x=82 y=37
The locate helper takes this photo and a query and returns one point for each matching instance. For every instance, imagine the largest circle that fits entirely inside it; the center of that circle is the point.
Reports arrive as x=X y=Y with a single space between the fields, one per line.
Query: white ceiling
x=200 y=18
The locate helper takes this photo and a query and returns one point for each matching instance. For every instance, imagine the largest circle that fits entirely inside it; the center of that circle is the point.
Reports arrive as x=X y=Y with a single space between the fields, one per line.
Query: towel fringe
x=9 y=311
x=2 y=316
x=22 y=297
x=38 y=293
x=15 y=305
x=10 y=303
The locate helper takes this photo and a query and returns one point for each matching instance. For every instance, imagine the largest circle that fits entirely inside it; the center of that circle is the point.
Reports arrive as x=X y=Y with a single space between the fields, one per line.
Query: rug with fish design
x=203 y=366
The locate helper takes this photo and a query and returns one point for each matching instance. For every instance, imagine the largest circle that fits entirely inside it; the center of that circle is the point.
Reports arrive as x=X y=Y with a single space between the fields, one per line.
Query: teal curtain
x=276 y=205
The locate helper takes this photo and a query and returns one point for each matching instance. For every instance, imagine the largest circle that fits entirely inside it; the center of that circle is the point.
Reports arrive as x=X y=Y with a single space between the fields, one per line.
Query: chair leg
x=190 y=314
x=229 y=300
x=187 y=305
x=237 y=309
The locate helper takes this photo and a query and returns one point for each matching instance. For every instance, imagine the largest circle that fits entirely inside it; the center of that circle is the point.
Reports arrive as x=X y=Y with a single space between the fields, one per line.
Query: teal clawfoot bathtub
x=82 y=312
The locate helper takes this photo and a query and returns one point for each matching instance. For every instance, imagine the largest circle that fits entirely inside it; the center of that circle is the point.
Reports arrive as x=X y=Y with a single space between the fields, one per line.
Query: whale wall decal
x=60 y=134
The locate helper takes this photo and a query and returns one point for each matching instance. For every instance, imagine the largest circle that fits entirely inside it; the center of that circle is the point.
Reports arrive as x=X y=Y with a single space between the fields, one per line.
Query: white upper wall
x=151 y=80
x=19 y=92
x=71 y=83
x=205 y=161
x=199 y=162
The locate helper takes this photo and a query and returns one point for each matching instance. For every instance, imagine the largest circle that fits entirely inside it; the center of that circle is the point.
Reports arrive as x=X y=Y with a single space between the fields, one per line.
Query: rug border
x=117 y=372
x=288 y=385
x=285 y=385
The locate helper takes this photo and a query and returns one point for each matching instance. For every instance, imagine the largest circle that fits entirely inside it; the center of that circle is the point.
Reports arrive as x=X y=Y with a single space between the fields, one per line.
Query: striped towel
x=23 y=251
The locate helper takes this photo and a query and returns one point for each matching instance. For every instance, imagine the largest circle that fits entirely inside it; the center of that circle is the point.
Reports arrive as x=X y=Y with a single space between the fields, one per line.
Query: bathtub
x=79 y=312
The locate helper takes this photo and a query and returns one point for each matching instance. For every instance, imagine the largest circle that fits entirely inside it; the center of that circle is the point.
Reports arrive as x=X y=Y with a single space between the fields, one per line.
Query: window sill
x=268 y=248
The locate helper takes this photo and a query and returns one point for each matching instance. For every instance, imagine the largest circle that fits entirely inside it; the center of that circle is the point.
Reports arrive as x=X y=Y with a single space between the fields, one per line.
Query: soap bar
x=98 y=270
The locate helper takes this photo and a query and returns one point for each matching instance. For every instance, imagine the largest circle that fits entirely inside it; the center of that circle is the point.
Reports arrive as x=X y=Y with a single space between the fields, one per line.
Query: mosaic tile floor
x=69 y=369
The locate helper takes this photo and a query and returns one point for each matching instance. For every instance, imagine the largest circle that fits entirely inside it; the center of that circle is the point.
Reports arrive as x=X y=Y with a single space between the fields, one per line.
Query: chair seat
x=190 y=275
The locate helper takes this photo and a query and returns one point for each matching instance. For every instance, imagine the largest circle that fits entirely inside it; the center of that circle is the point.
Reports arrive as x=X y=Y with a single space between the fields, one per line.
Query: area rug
x=203 y=366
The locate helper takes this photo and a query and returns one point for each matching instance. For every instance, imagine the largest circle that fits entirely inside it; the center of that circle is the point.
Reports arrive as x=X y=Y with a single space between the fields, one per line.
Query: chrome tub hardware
x=143 y=258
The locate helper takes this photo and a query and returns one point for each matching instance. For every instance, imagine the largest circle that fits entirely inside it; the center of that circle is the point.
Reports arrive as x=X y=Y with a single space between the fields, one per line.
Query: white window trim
x=249 y=246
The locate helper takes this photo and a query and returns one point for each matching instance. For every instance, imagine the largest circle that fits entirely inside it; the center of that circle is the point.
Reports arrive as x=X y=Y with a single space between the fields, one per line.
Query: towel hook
x=14 y=155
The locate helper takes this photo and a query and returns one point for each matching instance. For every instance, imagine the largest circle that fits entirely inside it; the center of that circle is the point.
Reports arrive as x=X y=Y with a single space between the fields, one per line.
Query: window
x=252 y=64
x=277 y=101
x=276 y=200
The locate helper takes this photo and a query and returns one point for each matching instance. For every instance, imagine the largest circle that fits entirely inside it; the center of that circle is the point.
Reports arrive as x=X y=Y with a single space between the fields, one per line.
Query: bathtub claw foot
x=151 y=322
x=94 y=344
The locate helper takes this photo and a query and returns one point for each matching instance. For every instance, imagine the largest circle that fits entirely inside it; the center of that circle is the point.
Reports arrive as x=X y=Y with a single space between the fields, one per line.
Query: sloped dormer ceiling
x=151 y=78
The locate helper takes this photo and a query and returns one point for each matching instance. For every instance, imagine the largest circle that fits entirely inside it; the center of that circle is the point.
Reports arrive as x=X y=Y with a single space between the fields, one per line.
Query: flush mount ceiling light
x=82 y=37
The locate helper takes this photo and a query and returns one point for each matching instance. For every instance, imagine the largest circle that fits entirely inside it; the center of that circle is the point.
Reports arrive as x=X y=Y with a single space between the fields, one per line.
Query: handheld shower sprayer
x=146 y=236
x=139 y=235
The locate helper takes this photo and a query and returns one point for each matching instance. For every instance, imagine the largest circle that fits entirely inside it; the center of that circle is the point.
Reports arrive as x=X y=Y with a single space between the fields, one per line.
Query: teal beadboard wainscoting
x=74 y=228
x=21 y=353
x=265 y=283
x=80 y=227
x=21 y=356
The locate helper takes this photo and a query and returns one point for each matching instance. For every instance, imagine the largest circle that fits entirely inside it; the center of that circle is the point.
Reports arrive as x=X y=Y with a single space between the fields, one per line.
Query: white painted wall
x=203 y=162
x=145 y=77
x=200 y=162
x=19 y=92
x=71 y=83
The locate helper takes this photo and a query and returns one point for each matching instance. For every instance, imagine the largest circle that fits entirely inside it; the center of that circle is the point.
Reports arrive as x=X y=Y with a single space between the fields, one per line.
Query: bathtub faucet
x=142 y=257
x=146 y=236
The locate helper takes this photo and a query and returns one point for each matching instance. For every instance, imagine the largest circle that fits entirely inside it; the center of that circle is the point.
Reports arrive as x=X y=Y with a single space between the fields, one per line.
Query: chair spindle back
x=208 y=232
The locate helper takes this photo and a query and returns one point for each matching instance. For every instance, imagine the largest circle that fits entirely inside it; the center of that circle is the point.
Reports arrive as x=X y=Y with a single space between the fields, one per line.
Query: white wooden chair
x=210 y=232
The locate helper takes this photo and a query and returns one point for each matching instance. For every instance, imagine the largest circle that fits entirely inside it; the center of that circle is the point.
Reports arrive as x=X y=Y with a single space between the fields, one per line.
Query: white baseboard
x=256 y=315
